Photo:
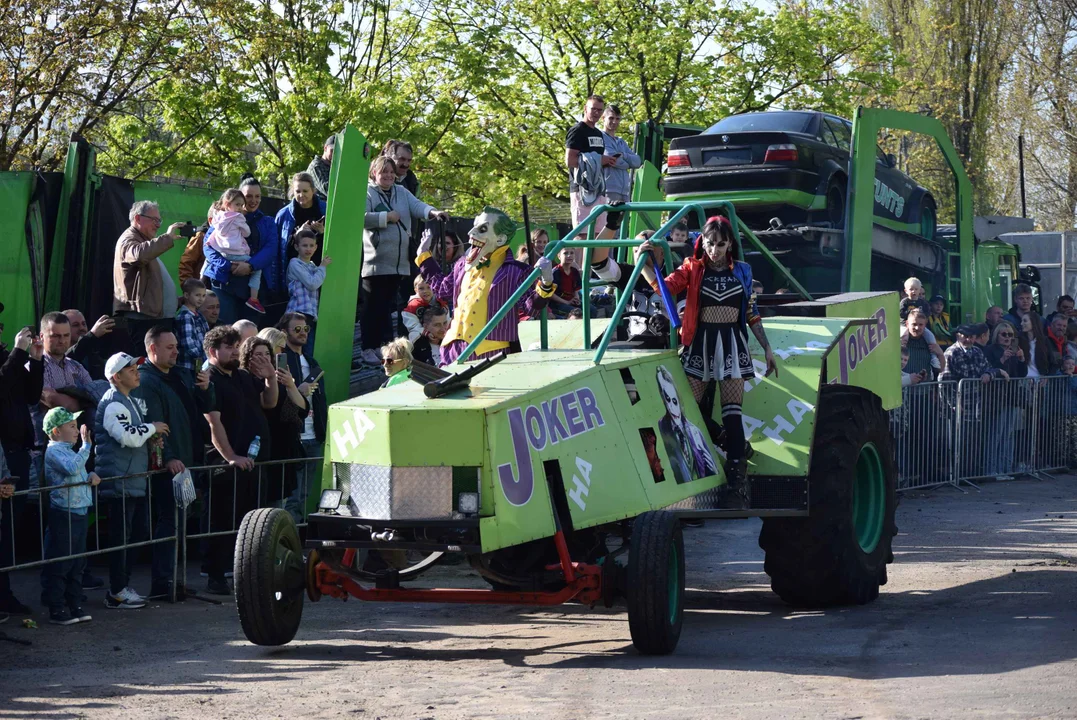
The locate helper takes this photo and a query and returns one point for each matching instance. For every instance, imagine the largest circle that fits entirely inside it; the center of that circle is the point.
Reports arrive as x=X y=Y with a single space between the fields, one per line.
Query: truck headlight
x=467 y=503
x=330 y=500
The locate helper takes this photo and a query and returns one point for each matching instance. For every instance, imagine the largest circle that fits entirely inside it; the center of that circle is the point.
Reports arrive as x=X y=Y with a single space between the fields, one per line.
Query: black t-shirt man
x=239 y=400
x=585 y=139
x=424 y=351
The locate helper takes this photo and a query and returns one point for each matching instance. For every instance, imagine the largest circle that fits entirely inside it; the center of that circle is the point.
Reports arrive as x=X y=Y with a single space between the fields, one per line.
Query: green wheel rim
x=927 y=224
x=674 y=583
x=869 y=498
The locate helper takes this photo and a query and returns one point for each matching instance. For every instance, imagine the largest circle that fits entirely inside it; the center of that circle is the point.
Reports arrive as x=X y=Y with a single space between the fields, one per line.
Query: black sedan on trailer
x=793 y=166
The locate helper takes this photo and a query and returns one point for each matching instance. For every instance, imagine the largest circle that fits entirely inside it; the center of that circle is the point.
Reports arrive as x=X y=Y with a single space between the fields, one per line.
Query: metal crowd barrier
x=946 y=433
x=1013 y=427
x=923 y=433
x=206 y=478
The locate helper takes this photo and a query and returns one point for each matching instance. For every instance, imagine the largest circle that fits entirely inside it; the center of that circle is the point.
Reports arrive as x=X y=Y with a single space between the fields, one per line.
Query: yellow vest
x=472 y=308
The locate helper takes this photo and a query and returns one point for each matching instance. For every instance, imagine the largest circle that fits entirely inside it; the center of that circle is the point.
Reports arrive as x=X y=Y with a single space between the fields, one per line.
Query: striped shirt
x=506 y=281
x=919 y=355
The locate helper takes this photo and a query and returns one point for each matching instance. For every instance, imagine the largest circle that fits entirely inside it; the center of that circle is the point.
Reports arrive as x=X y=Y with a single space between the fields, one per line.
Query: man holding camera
x=143 y=291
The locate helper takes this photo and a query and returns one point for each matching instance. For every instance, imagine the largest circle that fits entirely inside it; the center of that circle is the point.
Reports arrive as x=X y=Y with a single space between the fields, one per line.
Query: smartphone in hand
x=282 y=361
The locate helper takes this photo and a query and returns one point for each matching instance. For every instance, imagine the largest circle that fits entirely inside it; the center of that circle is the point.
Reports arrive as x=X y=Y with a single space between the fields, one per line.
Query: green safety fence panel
x=16 y=275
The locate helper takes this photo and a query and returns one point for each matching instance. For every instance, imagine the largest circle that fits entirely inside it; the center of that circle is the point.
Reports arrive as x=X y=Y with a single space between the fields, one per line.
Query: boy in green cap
x=61 y=582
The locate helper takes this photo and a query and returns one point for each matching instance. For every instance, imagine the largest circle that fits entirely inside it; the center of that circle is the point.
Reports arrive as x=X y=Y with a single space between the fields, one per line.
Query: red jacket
x=689 y=276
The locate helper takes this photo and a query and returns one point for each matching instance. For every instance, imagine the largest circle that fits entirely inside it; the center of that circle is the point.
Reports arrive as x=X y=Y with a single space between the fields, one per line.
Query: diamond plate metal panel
x=706 y=500
x=399 y=493
x=422 y=492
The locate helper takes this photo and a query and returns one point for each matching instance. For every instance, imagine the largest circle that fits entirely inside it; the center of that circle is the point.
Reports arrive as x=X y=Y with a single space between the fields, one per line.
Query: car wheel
x=929 y=220
x=835 y=202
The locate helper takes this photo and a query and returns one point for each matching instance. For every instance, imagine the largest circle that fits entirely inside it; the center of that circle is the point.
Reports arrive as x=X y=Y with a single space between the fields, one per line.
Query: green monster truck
x=562 y=473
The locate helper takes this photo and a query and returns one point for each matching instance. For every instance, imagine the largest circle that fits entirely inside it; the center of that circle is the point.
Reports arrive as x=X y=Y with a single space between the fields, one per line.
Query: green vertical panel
x=861 y=203
x=58 y=252
x=646 y=188
x=178 y=203
x=344 y=243
x=15 y=275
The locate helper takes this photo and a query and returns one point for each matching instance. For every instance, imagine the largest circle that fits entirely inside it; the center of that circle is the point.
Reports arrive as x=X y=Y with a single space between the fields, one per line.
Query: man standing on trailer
x=585 y=148
x=618 y=179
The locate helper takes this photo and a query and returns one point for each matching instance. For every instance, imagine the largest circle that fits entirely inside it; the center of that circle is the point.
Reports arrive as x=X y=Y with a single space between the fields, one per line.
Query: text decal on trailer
x=535 y=426
x=856 y=344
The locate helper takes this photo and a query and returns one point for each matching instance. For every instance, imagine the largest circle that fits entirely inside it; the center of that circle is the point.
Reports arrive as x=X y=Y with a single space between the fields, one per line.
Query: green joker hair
x=503 y=225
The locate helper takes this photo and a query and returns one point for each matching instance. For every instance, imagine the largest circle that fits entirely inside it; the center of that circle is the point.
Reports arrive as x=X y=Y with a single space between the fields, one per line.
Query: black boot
x=716 y=431
x=738 y=493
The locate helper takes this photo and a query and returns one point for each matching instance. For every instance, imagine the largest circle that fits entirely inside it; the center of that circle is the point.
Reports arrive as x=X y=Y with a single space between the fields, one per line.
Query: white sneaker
x=128 y=593
x=370 y=356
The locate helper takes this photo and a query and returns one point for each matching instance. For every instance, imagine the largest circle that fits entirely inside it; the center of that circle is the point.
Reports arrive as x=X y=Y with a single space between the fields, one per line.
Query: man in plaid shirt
x=965 y=360
x=190 y=326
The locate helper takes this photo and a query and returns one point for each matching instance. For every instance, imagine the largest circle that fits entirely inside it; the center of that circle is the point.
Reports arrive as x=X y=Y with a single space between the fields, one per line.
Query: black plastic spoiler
x=437 y=382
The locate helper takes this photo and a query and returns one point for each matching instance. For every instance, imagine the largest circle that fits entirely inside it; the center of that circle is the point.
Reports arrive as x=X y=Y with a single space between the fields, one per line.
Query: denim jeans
x=1001 y=449
x=128 y=522
x=306 y=476
x=61 y=581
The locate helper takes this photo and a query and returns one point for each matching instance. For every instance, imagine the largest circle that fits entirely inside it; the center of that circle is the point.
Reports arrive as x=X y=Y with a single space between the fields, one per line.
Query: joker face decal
x=491 y=231
x=670 y=397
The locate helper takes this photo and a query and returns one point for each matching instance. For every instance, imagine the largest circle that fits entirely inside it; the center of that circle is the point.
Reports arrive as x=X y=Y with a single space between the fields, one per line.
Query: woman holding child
x=231 y=279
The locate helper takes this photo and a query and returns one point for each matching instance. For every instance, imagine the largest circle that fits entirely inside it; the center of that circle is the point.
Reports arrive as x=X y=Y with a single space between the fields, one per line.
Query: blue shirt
x=304 y=281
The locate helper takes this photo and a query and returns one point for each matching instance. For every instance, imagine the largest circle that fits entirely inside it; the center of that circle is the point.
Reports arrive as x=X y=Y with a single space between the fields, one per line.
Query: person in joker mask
x=687 y=447
x=480 y=283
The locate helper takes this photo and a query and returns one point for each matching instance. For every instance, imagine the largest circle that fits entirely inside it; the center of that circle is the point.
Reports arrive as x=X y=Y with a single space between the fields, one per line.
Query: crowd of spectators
x=1009 y=345
x=216 y=369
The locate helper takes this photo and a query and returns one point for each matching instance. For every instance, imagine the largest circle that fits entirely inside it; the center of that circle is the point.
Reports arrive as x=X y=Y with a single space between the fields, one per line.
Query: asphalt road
x=979 y=620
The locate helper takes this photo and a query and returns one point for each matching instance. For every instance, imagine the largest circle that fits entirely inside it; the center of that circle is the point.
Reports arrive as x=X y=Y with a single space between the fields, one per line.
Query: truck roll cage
x=678 y=210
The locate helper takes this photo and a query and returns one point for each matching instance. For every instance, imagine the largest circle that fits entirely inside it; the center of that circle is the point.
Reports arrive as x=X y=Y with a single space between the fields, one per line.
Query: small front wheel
x=656 y=583
x=269 y=577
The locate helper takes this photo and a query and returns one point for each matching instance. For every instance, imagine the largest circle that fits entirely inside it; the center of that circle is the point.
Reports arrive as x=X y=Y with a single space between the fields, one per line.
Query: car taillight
x=678 y=158
x=781 y=153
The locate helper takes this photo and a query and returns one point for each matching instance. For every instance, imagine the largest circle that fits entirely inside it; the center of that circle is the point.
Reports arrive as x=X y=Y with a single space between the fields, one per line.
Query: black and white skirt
x=718 y=352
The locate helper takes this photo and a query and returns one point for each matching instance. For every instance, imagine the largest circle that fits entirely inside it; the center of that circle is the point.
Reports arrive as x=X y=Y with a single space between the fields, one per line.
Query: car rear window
x=797 y=122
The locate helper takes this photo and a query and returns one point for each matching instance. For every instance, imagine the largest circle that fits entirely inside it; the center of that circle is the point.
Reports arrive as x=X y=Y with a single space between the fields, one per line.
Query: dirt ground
x=979 y=620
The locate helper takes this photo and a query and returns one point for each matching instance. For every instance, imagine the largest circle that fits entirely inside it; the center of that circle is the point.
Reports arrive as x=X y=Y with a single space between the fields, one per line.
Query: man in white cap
x=122 y=433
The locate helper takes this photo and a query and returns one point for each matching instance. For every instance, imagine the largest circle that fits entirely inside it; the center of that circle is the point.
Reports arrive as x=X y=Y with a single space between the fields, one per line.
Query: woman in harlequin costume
x=714 y=333
x=480 y=283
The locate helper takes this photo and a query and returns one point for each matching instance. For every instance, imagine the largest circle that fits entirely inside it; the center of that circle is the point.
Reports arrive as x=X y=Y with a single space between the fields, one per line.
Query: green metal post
x=333 y=346
x=584 y=286
x=859 y=219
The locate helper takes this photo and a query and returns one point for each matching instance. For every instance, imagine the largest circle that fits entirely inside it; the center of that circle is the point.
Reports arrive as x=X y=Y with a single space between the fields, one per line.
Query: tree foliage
x=70 y=66
x=484 y=89
x=955 y=55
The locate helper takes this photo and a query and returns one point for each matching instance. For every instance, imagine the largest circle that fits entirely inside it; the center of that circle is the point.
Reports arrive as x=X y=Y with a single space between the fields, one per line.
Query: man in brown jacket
x=143 y=291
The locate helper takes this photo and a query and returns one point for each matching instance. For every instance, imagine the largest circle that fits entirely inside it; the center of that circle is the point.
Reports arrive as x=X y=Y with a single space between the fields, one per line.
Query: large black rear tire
x=838 y=554
x=835 y=201
x=656 y=583
x=269 y=577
